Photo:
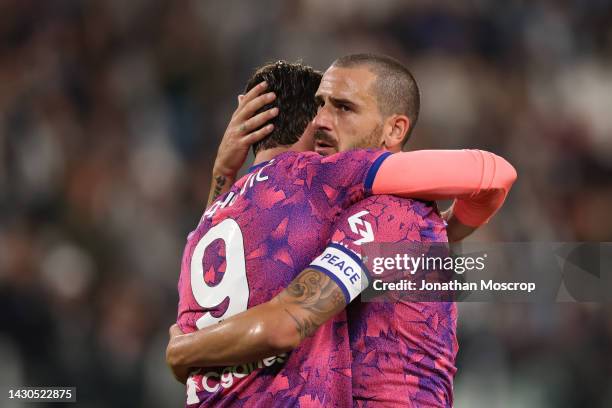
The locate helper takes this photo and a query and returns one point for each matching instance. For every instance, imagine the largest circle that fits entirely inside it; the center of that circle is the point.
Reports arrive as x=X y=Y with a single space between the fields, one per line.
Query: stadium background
x=110 y=114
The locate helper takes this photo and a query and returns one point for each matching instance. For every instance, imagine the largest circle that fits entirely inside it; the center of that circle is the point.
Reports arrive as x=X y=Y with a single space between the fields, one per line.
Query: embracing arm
x=478 y=181
x=313 y=297
x=268 y=329
x=455 y=229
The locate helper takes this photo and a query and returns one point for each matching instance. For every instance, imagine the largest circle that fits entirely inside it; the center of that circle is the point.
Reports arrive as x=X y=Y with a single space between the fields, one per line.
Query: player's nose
x=323 y=119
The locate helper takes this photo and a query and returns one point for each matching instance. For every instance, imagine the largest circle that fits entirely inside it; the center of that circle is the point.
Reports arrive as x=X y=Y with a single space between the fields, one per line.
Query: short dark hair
x=396 y=89
x=295 y=86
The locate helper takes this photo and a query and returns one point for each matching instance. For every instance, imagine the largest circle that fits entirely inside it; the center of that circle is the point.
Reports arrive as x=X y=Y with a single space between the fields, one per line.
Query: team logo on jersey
x=361 y=227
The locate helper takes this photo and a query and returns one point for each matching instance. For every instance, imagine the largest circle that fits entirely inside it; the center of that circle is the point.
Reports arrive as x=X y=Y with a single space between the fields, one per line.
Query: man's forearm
x=478 y=180
x=220 y=184
x=455 y=229
x=265 y=330
x=239 y=339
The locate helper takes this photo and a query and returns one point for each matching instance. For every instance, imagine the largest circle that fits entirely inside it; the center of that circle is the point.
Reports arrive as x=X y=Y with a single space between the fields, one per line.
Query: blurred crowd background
x=110 y=115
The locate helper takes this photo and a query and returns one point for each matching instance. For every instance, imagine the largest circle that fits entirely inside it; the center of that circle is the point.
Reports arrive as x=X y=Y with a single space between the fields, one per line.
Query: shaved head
x=395 y=88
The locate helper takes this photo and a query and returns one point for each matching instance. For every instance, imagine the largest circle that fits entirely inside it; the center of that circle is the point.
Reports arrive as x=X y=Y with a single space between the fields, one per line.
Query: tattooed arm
x=265 y=330
x=310 y=300
x=220 y=184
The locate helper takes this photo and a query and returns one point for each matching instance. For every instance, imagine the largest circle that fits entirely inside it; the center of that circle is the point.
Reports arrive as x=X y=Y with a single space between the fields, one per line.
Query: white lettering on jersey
x=234 y=283
x=192 y=388
x=213 y=380
x=231 y=197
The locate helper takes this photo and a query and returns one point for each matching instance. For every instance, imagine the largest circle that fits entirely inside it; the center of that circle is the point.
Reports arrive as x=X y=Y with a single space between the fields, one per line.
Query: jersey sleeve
x=378 y=219
x=478 y=180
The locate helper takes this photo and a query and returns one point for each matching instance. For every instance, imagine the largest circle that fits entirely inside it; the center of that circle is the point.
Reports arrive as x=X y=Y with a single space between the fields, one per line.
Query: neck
x=269 y=154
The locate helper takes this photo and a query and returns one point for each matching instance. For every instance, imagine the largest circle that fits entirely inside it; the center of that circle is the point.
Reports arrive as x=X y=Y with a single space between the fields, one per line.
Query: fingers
x=258 y=135
x=175 y=330
x=258 y=120
x=253 y=93
x=249 y=108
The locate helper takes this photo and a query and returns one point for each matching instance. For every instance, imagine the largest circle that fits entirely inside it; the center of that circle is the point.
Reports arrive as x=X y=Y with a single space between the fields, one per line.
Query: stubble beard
x=369 y=141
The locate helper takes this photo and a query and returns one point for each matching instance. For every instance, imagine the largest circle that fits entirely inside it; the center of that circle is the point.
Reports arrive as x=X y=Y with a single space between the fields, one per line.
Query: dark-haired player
x=292 y=216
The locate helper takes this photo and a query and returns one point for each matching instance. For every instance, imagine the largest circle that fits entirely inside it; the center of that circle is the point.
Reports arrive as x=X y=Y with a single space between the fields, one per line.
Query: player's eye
x=344 y=108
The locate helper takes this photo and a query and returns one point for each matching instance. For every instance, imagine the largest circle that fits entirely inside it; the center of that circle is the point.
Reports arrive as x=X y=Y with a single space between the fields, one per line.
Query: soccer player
x=327 y=293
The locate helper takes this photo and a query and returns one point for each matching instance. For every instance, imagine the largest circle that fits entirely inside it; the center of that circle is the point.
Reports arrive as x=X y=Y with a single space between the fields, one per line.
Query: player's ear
x=395 y=130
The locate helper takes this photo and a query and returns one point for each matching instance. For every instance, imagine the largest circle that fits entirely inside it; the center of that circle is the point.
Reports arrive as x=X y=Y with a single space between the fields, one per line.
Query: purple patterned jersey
x=249 y=245
x=403 y=353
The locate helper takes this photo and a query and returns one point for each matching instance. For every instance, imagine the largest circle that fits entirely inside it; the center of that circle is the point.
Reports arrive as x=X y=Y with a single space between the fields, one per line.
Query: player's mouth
x=324 y=149
x=325 y=145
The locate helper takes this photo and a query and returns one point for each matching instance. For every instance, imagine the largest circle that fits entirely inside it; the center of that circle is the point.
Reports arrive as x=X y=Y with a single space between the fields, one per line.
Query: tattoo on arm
x=219 y=184
x=314 y=297
x=305 y=326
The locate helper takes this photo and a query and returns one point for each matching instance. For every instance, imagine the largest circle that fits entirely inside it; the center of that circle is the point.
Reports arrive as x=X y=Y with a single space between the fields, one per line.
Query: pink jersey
x=249 y=245
x=403 y=352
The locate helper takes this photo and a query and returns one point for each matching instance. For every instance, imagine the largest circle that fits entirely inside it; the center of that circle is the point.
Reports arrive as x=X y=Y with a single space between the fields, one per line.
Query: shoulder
x=357 y=155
